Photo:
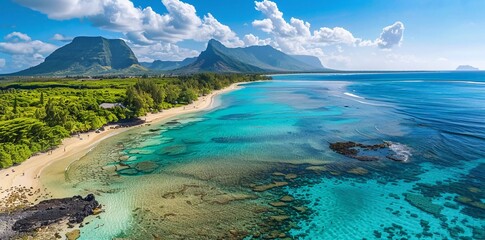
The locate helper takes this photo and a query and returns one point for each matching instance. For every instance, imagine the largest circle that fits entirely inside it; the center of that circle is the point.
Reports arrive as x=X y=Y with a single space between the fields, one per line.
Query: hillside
x=310 y=60
x=88 y=56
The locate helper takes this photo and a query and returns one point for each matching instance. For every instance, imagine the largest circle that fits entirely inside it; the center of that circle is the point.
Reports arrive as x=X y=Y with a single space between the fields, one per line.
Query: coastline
x=27 y=174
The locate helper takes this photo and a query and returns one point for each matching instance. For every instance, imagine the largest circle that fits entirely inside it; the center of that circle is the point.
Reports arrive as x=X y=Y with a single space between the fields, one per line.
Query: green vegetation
x=36 y=114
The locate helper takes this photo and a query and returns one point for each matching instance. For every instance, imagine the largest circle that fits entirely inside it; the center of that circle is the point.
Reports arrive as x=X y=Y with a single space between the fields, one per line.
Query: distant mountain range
x=168 y=65
x=254 y=59
x=89 y=56
x=466 y=68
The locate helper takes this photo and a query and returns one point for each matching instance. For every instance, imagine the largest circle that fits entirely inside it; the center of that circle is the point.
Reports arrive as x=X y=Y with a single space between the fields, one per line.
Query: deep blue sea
x=201 y=170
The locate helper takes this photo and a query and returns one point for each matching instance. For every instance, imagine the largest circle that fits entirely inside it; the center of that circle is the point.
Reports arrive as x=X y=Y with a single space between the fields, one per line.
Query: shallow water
x=195 y=176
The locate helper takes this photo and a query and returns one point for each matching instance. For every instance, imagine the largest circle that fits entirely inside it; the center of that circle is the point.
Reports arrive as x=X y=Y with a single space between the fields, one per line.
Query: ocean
x=261 y=163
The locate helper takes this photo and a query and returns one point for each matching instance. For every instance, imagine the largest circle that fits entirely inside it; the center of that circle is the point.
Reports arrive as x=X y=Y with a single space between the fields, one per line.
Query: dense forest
x=36 y=114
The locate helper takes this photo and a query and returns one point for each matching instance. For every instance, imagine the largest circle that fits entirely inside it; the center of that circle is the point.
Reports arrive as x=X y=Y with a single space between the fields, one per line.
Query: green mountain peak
x=88 y=56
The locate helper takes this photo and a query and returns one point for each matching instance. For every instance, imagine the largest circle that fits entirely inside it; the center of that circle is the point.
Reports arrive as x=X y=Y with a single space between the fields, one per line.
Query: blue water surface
x=434 y=122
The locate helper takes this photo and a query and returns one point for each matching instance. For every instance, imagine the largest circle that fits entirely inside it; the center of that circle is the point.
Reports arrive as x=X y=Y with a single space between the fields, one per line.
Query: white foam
x=480 y=83
x=353 y=95
x=401 y=151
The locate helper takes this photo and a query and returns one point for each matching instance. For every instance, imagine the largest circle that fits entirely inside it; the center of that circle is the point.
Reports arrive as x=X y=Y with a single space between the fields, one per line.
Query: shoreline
x=27 y=174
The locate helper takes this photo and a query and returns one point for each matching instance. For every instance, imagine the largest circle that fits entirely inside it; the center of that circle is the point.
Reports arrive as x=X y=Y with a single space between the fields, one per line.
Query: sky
x=343 y=34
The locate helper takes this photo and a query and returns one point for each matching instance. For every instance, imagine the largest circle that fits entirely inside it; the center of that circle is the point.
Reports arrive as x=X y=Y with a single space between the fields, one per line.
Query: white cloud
x=25 y=52
x=162 y=51
x=251 y=40
x=296 y=36
x=266 y=25
x=65 y=9
x=2 y=62
x=62 y=38
x=391 y=36
x=337 y=35
x=276 y=24
x=141 y=26
x=211 y=28
x=17 y=37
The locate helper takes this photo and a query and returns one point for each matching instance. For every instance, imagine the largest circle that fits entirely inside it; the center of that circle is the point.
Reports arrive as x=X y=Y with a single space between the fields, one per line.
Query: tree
x=156 y=92
x=5 y=158
x=15 y=110
x=41 y=98
x=172 y=93
x=138 y=101
x=188 y=95
x=55 y=114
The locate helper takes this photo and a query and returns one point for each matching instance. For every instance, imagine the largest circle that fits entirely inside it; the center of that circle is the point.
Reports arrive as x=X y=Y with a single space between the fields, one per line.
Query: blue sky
x=348 y=35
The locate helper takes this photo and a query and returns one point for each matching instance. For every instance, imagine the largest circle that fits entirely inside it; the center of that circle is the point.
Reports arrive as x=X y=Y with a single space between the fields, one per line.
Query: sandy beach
x=27 y=175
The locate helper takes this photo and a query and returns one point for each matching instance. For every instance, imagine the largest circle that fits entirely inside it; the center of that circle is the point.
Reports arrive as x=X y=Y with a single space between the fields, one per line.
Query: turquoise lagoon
x=195 y=176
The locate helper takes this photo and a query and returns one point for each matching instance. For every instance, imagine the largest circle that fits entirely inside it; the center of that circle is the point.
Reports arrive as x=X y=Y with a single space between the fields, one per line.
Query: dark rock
x=354 y=149
x=51 y=211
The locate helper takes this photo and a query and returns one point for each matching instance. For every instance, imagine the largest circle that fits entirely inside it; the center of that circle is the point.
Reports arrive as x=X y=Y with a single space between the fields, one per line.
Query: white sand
x=28 y=173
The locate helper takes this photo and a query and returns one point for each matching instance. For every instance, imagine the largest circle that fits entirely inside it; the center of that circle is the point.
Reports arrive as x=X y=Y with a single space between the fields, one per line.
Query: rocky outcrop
x=359 y=151
x=48 y=212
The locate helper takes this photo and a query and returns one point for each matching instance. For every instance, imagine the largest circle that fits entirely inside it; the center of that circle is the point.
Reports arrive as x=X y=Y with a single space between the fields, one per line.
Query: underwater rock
x=280 y=218
x=128 y=171
x=227 y=198
x=146 y=166
x=393 y=195
x=278 y=204
x=287 y=199
x=358 y=171
x=451 y=205
x=263 y=188
x=73 y=235
x=300 y=209
x=335 y=173
x=474 y=189
x=317 y=168
x=278 y=174
x=478 y=233
x=423 y=203
x=174 y=150
x=173 y=122
x=470 y=202
x=463 y=199
x=51 y=211
x=290 y=176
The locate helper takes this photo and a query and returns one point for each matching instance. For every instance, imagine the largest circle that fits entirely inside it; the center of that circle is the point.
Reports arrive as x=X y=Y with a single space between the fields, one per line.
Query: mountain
x=466 y=68
x=168 y=65
x=219 y=58
x=88 y=56
x=310 y=60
